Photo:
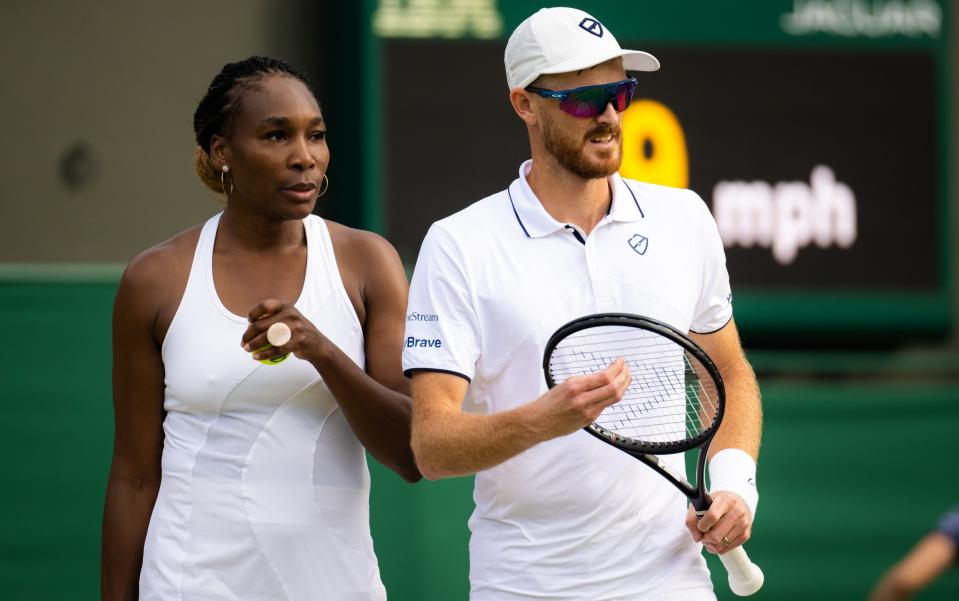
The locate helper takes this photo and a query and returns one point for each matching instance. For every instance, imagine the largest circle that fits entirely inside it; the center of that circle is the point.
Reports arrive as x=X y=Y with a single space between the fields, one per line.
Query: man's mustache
x=603 y=131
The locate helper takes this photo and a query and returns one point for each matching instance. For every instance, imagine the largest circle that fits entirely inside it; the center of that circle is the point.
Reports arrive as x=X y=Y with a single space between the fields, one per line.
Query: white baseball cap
x=559 y=40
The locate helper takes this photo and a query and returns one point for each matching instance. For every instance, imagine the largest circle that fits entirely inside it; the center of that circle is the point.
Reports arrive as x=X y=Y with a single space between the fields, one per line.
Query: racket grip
x=745 y=577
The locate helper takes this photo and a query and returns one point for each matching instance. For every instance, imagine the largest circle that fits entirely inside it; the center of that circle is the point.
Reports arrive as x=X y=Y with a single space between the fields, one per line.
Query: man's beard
x=572 y=156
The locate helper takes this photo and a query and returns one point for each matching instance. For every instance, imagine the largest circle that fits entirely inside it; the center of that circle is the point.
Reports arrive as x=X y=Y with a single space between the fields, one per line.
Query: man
x=559 y=515
x=933 y=555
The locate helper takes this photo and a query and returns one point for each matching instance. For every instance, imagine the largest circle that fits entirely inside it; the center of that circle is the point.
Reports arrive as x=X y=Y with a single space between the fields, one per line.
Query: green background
x=856 y=465
x=858 y=458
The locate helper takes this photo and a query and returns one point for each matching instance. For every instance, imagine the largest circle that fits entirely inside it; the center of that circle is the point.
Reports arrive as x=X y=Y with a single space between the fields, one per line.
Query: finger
x=599 y=378
x=740 y=537
x=606 y=381
x=734 y=504
x=262 y=347
x=712 y=516
x=255 y=339
x=623 y=381
x=723 y=505
x=617 y=367
x=255 y=334
x=614 y=391
x=691 y=521
x=594 y=392
x=732 y=529
x=597 y=399
x=268 y=352
x=281 y=312
x=730 y=540
x=265 y=309
x=729 y=510
x=730 y=532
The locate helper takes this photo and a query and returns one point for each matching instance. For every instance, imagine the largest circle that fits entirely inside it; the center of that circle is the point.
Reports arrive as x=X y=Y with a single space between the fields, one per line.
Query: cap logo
x=590 y=25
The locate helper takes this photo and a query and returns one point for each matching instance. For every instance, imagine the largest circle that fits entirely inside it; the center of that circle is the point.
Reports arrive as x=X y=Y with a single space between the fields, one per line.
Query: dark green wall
x=830 y=519
x=55 y=438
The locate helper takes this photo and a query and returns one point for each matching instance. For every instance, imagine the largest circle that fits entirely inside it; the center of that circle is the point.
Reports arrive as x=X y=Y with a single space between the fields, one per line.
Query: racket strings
x=672 y=397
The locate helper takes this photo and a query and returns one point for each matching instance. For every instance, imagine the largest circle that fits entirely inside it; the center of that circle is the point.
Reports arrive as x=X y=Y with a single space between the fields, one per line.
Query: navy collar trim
x=518 y=220
x=639 y=208
x=609 y=209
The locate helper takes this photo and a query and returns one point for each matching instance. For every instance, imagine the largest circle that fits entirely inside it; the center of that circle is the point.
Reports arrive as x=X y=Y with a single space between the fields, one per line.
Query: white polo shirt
x=571 y=518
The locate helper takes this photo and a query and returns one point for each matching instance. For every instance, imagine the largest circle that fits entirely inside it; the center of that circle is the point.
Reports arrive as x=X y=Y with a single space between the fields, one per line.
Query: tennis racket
x=674 y=403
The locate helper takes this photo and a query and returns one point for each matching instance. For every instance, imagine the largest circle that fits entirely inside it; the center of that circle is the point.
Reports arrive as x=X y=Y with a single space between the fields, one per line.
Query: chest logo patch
x=639 y=243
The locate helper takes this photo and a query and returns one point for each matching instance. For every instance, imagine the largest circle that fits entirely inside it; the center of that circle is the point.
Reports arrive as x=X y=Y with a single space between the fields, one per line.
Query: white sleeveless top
x=265 y=489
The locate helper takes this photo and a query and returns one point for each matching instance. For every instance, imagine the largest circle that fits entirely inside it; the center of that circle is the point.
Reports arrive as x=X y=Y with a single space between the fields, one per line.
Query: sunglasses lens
x=624 y=94
x=592 y=101
x=585 y=103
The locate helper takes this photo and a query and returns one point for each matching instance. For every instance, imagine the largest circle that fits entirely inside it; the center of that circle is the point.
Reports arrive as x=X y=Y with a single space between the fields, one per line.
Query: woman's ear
x=219 y=152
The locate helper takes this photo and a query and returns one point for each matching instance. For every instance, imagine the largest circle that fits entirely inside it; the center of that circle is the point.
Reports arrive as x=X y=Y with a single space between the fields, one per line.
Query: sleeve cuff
x=412 y=370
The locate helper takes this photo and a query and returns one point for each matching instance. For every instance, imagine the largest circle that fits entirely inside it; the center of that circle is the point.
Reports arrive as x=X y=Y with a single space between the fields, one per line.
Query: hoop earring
x=223 y=171
x=324 y=188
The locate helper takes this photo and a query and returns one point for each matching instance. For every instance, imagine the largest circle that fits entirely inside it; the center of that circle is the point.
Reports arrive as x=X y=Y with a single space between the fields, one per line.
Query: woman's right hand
x=306 y=341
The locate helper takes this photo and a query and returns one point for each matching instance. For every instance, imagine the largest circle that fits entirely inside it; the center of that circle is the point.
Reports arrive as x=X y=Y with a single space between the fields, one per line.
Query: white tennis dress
x=265 y=489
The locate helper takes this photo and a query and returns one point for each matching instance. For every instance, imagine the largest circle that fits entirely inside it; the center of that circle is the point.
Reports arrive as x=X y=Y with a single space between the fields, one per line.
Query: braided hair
x=214 y=115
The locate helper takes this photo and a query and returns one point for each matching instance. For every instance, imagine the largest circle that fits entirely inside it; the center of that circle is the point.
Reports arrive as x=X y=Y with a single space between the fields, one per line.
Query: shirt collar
x=536 y=222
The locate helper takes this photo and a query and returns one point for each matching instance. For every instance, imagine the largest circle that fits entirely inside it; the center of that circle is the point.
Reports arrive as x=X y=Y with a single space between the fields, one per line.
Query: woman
x=231 y=478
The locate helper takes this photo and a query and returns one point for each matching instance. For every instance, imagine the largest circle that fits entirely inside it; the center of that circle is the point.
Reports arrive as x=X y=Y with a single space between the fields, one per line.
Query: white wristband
x=735 y=471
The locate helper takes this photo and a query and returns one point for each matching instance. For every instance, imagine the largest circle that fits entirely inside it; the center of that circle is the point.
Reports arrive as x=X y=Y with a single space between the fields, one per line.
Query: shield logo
x=639 y=243
x=592 y=26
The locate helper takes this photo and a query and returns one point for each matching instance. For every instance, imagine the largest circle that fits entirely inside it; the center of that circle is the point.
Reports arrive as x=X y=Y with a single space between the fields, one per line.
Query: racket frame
x=745 y=577
x=646 y=451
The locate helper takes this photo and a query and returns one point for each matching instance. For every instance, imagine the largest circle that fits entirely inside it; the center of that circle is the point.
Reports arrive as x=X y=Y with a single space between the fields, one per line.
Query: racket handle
x=745 y=577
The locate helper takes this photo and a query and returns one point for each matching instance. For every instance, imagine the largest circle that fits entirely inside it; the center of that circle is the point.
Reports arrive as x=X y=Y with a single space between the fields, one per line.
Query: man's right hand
x=578 y=401
x=450 y=442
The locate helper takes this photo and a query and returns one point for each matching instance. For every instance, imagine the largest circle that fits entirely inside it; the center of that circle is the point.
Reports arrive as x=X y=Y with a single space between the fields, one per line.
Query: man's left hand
x=727 y=523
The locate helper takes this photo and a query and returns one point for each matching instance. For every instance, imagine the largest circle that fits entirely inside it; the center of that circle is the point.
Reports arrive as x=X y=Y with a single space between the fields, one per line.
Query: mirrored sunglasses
x=589 y=101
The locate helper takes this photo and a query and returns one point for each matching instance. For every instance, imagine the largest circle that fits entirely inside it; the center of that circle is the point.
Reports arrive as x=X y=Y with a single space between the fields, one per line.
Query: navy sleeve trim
x=716 y=330
x=409 y=372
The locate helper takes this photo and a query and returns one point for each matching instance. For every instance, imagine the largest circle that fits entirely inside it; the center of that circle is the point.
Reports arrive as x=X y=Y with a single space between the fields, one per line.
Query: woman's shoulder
x=158 y=263
x=369 y=265
x=153 y=283
x=361 y=244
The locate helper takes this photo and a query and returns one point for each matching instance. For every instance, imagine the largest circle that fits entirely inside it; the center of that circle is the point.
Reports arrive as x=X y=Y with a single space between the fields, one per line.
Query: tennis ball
x=272 y=360
x=278 y=335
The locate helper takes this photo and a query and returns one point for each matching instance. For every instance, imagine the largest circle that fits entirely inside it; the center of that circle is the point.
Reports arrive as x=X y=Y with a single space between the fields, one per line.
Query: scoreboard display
x=815 y=131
